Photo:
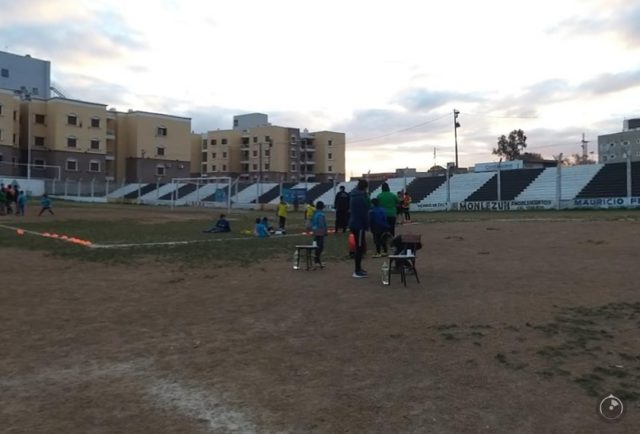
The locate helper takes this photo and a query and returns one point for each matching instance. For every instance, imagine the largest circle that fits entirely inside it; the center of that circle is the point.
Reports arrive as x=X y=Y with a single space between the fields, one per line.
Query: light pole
x=499 y=188
x=25 y=95
x=456 y=125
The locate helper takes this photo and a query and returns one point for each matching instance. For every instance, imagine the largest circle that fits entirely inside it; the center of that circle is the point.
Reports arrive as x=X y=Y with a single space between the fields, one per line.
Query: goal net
x=210 y=191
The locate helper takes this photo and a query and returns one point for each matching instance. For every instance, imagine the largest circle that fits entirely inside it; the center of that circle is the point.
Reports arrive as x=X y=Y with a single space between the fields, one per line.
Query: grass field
x=522 y=322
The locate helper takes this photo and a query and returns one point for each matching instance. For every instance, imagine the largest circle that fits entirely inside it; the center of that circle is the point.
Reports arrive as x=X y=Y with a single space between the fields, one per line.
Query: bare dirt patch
x=500 y=336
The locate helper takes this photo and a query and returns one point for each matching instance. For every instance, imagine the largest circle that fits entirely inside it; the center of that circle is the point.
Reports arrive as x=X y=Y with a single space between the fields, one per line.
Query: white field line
x=210 y=405
x=159 y=243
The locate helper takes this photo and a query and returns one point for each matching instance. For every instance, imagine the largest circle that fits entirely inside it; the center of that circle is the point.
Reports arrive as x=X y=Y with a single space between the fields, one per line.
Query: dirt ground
x=515 y=327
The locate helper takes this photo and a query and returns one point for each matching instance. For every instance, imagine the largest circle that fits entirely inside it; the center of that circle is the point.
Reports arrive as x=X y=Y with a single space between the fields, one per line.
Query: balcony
x=111 y=134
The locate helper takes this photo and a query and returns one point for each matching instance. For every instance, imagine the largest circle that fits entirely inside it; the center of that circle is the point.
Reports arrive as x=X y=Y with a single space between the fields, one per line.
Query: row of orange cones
x=73 y=240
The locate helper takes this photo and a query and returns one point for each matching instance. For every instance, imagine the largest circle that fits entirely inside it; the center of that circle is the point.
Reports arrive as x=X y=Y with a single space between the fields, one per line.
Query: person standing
x=359 y=223
x=406 y=204
x=379 y=227
x=308 y=215
x=22 y=203
x=319 y=228
x=341 y=206
x=282 y=214
x=390 y=203
x=399 y=209
x=45 y=203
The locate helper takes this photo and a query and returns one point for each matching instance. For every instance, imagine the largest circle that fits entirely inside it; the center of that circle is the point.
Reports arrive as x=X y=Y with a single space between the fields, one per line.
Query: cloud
x=617 y=17
x=72 y=41
x=609 y=83
x=425 y=100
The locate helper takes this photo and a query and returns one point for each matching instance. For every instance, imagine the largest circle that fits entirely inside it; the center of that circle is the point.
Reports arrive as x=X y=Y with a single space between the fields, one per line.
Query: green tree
x=512 y=146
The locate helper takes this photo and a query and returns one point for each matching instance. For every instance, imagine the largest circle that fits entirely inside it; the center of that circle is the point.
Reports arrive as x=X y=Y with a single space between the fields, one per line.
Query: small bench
x=403 y=263
x=308 y=250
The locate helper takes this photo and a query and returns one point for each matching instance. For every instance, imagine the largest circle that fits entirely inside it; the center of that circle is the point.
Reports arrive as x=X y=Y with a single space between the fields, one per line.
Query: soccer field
x=521 y=322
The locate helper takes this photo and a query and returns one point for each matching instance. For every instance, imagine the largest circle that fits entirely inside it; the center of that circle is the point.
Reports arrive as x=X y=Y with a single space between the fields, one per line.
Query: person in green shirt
x=389 y=202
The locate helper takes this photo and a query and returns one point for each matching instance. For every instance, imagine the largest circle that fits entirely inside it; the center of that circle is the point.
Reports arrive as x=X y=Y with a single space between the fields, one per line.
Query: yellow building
x=256 y=150
x=78 y=140
x=152 y=147
x=9 y=132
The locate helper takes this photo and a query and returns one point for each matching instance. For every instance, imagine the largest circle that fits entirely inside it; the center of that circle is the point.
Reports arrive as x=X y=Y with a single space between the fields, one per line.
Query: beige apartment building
x=152 y=147
x=83 y=141
x=9 y=133
x=256 y=150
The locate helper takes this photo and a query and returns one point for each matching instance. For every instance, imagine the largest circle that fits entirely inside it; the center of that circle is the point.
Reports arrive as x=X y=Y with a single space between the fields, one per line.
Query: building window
x=213 y=168
x=267 y=152
x=267 y=139
x=38 y=164
x=4 y=72
x=35 y=91
x=161 y=131
x=214 y=142
x=160 y=170
x=330 y=142
x=255 y=153
x=39 y=119
x=160 y=151
x=224 y=167
x=266 y=167
x=255 y=167
x=235 y=123
x=1 y=110
x=94 y=166
x=330 y=156
x=330 y=169
x=223 y=141
x=255 y=139
x=224 y=155
x=38 y=141
x=1 y=135
x=71 y=165
x=213 y=155
x=293 y=153
x=95 y=144
x=293 y=167
x=95 y=122
x=72 y=142
x=72 y=119
x=204 y=144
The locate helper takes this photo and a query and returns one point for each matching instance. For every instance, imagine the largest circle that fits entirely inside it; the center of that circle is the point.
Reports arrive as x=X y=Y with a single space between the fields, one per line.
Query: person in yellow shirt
x=282 y=213
x=308 y=215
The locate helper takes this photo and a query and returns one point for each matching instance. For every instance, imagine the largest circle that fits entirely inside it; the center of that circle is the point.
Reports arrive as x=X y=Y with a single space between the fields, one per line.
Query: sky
x=387 y=74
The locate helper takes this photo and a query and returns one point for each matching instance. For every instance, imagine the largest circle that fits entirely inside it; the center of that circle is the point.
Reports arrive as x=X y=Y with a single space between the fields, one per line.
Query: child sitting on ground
x=222 y=225
x=260 y=229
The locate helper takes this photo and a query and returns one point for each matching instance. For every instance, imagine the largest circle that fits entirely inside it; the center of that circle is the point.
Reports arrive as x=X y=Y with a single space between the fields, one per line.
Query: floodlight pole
x=25 y=95
x=456 y=125
x=499 y=188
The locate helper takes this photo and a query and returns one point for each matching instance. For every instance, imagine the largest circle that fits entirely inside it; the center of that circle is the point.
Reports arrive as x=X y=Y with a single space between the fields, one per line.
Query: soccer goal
x=211 y=191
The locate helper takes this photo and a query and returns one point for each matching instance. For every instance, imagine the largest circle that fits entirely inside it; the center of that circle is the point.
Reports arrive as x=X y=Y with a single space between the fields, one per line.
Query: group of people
x=379 y=214
x=12 y=200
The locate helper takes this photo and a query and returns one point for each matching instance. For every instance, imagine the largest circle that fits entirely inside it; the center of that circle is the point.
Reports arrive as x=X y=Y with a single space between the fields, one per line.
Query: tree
x=579 y=159
x=530 y=157
x=511 y=147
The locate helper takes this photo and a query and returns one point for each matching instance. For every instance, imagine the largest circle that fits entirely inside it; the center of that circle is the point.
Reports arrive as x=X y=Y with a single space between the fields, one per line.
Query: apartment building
x=255 y=150
x=9 y=132
x=84 y=141
x=617 y=147
x=25 y=74
x=152 y=147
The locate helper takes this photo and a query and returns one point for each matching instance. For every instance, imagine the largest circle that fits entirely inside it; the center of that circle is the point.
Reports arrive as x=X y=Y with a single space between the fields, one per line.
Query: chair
x=404 y=256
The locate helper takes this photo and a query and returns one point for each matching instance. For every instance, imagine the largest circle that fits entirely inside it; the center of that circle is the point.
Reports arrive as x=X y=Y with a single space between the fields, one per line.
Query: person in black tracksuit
x=341 y=205
x=359 y=223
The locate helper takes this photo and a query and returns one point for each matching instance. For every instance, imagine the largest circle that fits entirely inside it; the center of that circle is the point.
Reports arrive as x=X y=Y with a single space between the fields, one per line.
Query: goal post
x=209 y=191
